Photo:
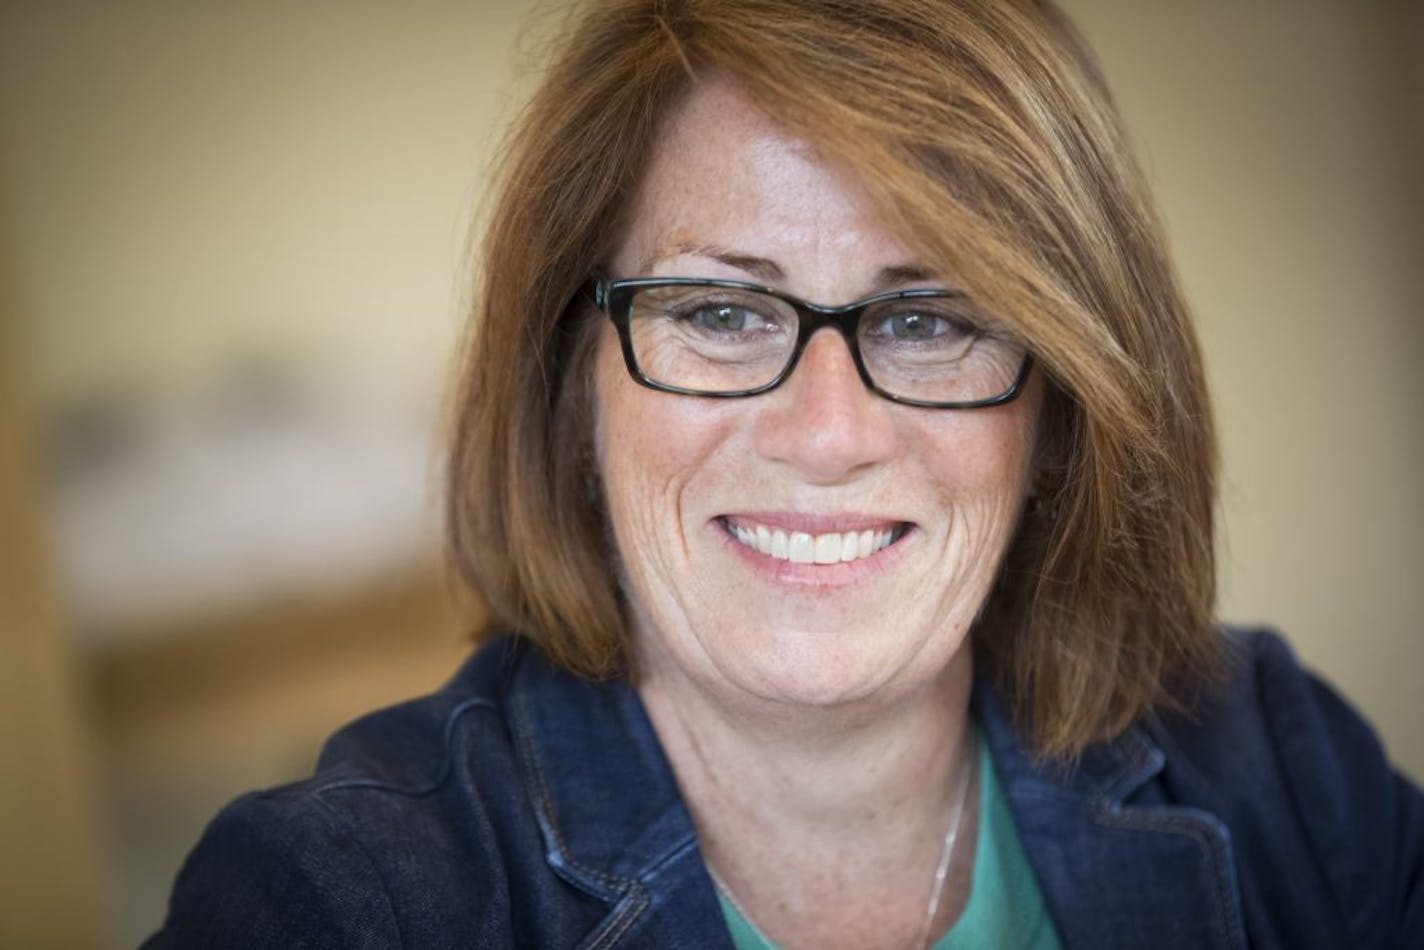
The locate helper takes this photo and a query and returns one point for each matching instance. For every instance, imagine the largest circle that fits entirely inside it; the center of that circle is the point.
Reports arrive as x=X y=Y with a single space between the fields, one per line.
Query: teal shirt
x=1005 y=908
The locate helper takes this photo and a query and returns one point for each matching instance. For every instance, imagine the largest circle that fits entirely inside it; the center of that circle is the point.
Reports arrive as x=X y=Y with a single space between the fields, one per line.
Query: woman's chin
x=816 y=672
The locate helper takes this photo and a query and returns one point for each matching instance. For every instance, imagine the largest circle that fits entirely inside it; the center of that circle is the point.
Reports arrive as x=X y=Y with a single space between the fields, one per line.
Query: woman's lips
x=852 y=543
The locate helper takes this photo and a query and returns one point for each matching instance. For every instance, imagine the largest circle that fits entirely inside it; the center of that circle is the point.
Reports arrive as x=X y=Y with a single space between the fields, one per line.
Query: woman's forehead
x=726 y=184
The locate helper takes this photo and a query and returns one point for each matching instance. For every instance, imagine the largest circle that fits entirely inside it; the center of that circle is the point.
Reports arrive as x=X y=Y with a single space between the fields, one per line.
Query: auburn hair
x=985 y=132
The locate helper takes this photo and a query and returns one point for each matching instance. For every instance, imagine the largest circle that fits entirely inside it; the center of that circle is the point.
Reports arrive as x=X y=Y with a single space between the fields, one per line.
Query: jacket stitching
x=446 y=764
x=528 y=755
x=636 y=901
x=679 y=851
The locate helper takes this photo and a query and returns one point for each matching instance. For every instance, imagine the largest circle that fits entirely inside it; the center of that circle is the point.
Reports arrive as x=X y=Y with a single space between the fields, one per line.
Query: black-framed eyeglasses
x=729 y=338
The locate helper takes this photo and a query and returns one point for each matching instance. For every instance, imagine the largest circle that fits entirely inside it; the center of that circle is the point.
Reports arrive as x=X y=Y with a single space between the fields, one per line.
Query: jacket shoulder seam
x=452 y=722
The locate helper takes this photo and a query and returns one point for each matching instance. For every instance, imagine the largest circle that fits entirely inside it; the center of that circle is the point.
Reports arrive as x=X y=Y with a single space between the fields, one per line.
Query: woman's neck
x=817 y=814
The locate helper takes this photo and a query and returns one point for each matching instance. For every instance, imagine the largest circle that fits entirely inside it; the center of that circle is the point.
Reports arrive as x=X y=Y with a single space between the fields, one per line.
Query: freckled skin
x=705 y=620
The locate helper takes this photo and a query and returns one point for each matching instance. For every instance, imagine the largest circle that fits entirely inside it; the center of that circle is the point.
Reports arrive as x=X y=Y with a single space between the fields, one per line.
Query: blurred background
x=233 y=259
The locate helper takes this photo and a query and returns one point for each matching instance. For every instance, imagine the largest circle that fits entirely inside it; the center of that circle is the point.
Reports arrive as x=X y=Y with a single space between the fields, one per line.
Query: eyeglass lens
x=714 y=339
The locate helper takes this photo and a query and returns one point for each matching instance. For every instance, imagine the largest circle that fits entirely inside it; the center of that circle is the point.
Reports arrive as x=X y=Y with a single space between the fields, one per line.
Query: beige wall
x=190 y=183
x=1285 y=139
x=185 y=186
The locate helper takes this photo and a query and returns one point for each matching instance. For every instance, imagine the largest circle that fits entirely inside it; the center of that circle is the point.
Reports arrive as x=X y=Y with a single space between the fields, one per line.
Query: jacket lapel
x=1118 y=866
x=613 y=822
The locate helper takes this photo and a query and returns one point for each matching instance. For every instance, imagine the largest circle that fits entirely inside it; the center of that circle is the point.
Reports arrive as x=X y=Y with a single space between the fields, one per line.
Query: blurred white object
x=221 y=505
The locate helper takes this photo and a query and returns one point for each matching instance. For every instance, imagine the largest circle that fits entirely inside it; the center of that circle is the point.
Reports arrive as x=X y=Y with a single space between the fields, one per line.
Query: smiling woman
x=817 y=457
x=835 y=462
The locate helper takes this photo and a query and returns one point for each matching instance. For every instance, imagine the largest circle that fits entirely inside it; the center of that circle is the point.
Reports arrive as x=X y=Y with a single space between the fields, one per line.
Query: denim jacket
x=520 y=806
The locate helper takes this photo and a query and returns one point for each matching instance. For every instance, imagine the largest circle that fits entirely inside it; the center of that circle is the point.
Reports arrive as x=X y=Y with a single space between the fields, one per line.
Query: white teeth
x=802 y=548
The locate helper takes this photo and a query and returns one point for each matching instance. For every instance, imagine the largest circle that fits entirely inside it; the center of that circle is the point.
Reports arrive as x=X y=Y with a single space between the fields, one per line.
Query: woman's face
x=729 y=194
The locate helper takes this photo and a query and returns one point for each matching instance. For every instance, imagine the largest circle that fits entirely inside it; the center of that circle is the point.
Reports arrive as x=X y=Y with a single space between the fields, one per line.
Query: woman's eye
x=722 y=317
x=916 y=325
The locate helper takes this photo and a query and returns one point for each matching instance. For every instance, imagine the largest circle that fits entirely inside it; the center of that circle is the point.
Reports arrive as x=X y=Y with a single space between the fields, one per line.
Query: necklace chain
x=946 y=853
x=951 y=837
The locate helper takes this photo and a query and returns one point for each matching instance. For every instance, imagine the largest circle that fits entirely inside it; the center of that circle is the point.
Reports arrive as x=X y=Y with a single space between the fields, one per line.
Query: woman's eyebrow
x=769 y=271
x=897 y=275
x=763 y=268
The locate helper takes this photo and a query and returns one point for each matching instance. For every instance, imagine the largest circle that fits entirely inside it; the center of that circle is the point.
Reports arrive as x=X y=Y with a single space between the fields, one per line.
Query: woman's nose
x=823 y=420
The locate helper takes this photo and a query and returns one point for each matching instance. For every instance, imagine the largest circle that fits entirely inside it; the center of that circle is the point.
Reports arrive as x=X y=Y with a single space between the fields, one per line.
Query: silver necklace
x=951 y=836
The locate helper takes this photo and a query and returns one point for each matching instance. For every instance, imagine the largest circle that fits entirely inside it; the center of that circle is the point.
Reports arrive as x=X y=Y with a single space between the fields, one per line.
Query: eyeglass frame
x=615 y=299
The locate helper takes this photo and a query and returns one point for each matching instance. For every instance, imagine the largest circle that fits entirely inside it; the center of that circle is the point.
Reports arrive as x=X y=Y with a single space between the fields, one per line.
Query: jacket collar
x=612 y=821
x=1113 y=860
x=1105 y=776
x=606 y=799
x=1118 y=862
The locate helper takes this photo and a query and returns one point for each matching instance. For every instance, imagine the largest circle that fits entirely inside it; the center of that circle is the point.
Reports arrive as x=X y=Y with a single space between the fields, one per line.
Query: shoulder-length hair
x=985 y=132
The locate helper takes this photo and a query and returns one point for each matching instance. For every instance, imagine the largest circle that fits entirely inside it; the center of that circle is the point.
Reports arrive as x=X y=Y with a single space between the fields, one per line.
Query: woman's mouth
x=803 y=547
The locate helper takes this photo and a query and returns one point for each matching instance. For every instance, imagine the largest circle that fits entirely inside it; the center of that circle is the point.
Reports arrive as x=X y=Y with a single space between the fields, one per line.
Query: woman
x=835 y=460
